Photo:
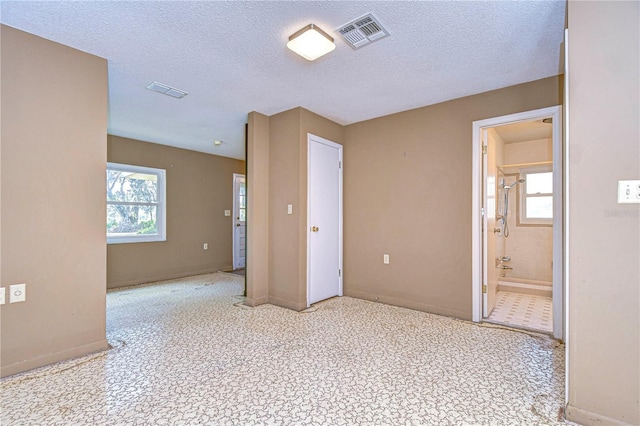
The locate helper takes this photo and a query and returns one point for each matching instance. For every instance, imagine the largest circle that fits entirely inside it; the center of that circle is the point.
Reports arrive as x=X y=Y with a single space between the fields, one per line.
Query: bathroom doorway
x=518 y=221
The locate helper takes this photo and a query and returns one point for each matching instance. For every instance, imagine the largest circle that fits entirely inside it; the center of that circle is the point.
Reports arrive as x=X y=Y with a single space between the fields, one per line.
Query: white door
x=239 y=221
x=490 y=238
x=324 y=220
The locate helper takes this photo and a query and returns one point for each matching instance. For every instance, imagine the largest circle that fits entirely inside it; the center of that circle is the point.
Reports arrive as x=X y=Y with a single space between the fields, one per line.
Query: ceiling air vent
x=166 y=90
x=362 y=31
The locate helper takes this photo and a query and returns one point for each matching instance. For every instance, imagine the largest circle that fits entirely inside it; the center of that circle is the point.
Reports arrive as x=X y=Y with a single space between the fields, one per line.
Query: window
x=536 y=202
x=135 y=204
x=242 y=202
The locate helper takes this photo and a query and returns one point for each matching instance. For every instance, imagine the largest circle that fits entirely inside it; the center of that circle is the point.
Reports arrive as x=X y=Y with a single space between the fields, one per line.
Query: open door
x=490 y=229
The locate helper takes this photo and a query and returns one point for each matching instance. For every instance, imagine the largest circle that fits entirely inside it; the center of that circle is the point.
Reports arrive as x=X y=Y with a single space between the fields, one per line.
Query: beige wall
x=199 y=190
x=282 y=143
x=54 y=124
x=528 y=151
x=284 y=184
x=407 y=186
x=257 y=269
x=604 y=237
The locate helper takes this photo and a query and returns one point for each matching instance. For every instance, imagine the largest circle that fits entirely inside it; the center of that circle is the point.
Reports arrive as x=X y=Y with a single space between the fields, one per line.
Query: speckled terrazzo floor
x=186 y=353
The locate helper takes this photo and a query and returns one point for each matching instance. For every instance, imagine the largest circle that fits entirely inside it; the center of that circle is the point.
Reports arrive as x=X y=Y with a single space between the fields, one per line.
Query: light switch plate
x=1 y=295
x=17 y=293
x=629 y=192
x=289 y=208
x=385 y=259
x=227 y=212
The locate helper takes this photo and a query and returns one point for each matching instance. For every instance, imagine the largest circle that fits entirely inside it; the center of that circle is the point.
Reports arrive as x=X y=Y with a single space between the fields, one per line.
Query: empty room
x=312 y=212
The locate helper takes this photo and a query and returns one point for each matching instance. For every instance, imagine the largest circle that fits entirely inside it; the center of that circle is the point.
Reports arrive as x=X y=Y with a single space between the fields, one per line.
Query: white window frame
x=161 y=212
x=522 y=202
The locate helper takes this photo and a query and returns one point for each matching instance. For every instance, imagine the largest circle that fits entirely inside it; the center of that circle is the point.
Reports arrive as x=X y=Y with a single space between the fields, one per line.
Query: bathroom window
x=536 y=199
x=135 y=204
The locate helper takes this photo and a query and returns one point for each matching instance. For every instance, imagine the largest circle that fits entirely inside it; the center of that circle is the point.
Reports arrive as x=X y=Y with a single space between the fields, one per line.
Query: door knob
x=314 y=229
x=237 y=224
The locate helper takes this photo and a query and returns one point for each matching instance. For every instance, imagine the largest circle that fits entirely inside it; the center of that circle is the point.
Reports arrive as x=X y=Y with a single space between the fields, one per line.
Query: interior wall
x=199 y=190
x=530 y=247
x=53 y=143
x=604 y=237
x=407 y=185
x=278 y=155
x=257 y=261
x=284 y=188
x=529 y=151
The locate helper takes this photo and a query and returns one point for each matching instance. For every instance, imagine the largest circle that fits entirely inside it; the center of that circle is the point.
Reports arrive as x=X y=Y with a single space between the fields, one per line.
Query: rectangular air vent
x=167 y=90
x=362 y=31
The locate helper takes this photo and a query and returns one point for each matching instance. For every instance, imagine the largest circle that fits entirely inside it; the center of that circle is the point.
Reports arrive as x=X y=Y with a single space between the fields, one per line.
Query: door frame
x=332 y=144
x=559 y=234
x=234 y=236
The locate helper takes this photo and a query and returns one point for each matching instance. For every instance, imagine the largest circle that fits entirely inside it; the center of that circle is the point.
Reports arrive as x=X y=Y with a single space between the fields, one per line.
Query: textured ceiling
x=232 y=58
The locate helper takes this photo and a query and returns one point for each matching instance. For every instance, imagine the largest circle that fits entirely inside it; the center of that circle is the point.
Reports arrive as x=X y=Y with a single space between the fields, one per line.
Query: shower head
x=513 y=184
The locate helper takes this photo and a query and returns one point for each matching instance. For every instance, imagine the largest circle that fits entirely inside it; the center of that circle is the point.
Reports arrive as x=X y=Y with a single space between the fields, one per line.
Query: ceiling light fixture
x=311 y=42
x=217 y=142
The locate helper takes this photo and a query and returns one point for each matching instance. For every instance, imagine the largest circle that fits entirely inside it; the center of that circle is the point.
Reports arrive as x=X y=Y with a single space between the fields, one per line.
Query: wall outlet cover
x=2 y=296
x=629 y=192
x=17 y=293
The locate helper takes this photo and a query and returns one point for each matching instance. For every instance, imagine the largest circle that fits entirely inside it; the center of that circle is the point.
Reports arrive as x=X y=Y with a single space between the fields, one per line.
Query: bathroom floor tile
x=523 y=310
x=188 y=352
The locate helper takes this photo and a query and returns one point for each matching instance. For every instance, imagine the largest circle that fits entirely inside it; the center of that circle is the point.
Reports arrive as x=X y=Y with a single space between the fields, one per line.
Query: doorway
x=518 y=221
x=240 y=221
x=324 y=220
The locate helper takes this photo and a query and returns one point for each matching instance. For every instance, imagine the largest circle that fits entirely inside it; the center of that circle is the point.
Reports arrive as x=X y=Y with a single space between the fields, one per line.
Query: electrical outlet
x=1 y=295
x=628 y=191
x=385 y=259
x=289 y=208
x=17 y=293
x=205 y=246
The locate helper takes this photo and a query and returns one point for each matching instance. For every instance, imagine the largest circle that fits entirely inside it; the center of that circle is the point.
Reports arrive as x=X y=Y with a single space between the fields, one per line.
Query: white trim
x=476 y=224
x=161 y=212
x=484 y=142
x=559 y=266
x=339 y=147
x=555 y=113
x=566 y=224
x=234 y=212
